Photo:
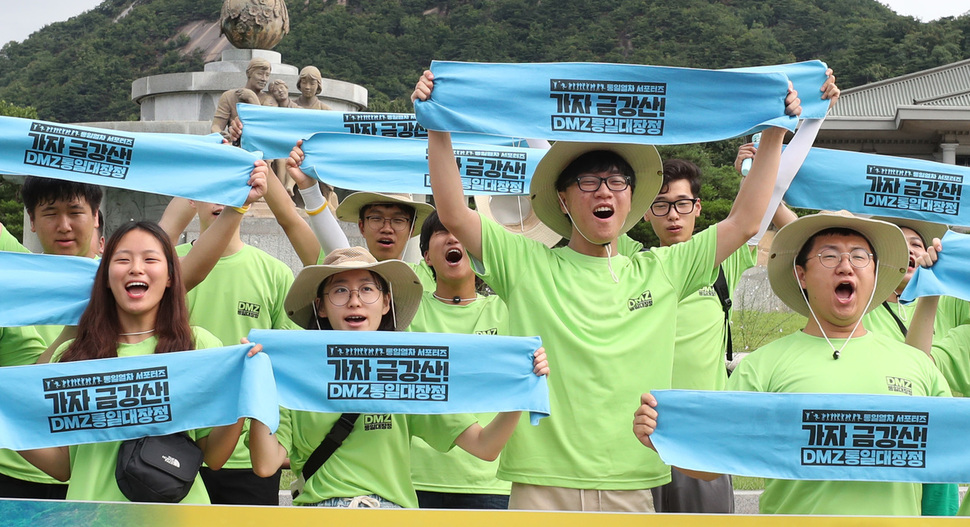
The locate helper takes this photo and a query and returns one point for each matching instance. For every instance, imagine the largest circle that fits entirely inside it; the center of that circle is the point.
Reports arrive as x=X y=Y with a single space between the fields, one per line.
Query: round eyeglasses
x=831 y=258
x=397 y=223
x=593 y=183
x=367 y=293
x=682 y=206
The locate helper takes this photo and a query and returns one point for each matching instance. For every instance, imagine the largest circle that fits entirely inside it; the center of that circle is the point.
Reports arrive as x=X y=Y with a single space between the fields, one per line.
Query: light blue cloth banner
x=274 y=131
x=382 y=164
x=815 y=436
x=949 y=276
x=882 y=185
x=807 y=78
x=124 y=398
x=44 y=289
x=616 y=103
x=404 y=373
x=169 y=164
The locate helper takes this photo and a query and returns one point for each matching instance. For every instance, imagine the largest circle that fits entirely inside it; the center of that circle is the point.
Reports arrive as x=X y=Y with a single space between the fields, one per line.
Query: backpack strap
x=721 y=288
x=335 y=437
x=902 y=327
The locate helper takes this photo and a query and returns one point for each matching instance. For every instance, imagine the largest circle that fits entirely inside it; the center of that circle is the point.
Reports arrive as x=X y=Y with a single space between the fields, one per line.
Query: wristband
x=317 y=210
x=241 y=210
x=313 y=200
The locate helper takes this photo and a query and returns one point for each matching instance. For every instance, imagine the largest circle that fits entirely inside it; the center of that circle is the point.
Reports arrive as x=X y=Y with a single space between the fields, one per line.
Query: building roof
x=941 y=86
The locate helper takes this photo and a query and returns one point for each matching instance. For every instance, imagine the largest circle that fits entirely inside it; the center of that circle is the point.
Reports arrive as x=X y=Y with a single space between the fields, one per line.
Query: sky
x=23 y=17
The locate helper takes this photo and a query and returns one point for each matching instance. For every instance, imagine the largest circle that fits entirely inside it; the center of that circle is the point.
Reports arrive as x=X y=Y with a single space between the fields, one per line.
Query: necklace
x=455 y=299
x=147 y=331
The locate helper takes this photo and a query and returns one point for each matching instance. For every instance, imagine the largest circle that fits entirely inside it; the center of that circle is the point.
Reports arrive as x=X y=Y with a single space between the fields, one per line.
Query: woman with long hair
x=137 y=307
x=352 y=291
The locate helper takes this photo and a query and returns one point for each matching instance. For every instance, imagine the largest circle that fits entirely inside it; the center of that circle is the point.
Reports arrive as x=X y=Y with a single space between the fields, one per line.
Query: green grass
x=746 y=483
x=286 y=478
x=752 y=329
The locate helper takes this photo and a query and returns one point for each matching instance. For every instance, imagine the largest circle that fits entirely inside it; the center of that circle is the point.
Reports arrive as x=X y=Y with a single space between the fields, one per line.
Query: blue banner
x=617 y=103
x=882 y=186
x=274 y=131
x=836 y=437
x=169 y=164
x=949 y=276
x=115 y=399
x=381 y=164
x=807 y=78
x=404 y=373
x=44 y=289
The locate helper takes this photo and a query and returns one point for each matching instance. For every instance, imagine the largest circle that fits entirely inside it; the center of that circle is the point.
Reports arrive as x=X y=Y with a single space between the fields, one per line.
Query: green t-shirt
x=952 y=356
x=21 y=346
x=701 y=336
x=801 y=363
x=9 y=243
x=374 y=459
x=244 y=291
x=950 y=313
x=93 y=465
x=458 y=471
x=607 y=343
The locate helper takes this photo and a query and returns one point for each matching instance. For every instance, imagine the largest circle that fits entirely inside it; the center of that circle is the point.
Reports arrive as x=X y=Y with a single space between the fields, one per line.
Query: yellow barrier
x=61 y=513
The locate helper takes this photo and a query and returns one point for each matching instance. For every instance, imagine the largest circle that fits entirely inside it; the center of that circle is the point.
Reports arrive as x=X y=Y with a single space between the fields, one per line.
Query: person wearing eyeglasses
x=832 y=268
x=702 y=326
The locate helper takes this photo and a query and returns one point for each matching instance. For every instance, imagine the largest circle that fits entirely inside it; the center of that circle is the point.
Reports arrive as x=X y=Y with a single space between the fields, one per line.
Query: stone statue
x=281 y=94
x=254 y=24
x=257 y=75
x=310 y=85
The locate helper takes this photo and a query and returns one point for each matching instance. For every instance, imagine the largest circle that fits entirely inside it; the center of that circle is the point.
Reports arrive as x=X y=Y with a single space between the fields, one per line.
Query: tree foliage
x=82 y=69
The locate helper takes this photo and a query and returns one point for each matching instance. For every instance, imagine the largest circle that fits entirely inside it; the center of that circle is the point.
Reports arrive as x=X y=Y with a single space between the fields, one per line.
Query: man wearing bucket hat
x=831 y=267
x=606 y=319
x=386 y=221
x=352 y=291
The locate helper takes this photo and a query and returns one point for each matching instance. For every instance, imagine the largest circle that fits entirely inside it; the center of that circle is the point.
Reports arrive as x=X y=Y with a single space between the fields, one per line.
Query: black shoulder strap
x=721 y=288
x=335 y=437
x=902 y=327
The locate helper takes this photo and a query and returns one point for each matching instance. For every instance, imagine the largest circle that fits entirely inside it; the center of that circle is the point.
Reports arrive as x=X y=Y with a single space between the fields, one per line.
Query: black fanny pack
x=158 y=468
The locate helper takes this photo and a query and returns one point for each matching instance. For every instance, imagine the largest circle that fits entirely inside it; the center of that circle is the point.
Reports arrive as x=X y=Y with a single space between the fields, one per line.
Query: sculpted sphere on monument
x=254 y=24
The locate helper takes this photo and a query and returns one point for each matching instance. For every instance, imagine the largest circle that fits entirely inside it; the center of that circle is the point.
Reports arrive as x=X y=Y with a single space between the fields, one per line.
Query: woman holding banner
x=137 y=307
x=370 y=464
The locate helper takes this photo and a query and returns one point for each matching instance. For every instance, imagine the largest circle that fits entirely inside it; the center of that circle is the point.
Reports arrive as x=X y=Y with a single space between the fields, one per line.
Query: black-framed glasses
x=340 y=295
x=682 y=206
x=398 y=223
x=831 y=258
x=615 y=183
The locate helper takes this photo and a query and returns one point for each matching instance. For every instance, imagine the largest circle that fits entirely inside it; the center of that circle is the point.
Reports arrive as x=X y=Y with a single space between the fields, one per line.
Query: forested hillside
x=82 y=69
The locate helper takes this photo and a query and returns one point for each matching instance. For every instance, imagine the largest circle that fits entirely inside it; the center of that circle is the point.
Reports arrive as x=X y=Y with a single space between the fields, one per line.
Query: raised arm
x=177 y=216
x=920 y=333
x=207 y=250
x=449 y=197
x=322 y=220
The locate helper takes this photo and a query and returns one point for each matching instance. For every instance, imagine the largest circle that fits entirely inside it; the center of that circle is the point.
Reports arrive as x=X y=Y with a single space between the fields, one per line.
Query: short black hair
x=803 y=255
x=682 y=169
x=595 y=161
x=38 y=191
x=432 y=224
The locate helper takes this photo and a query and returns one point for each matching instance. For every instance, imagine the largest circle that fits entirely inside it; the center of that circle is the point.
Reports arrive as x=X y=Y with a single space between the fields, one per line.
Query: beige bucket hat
x=545 y=200
x=888 y=246
x=349 y=208
x=405 y=287
x=516 y=215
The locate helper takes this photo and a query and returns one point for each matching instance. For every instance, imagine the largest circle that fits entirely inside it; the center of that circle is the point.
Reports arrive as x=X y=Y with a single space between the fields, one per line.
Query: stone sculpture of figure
x=257 y=75
x=281 y=94
x=310 y=85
